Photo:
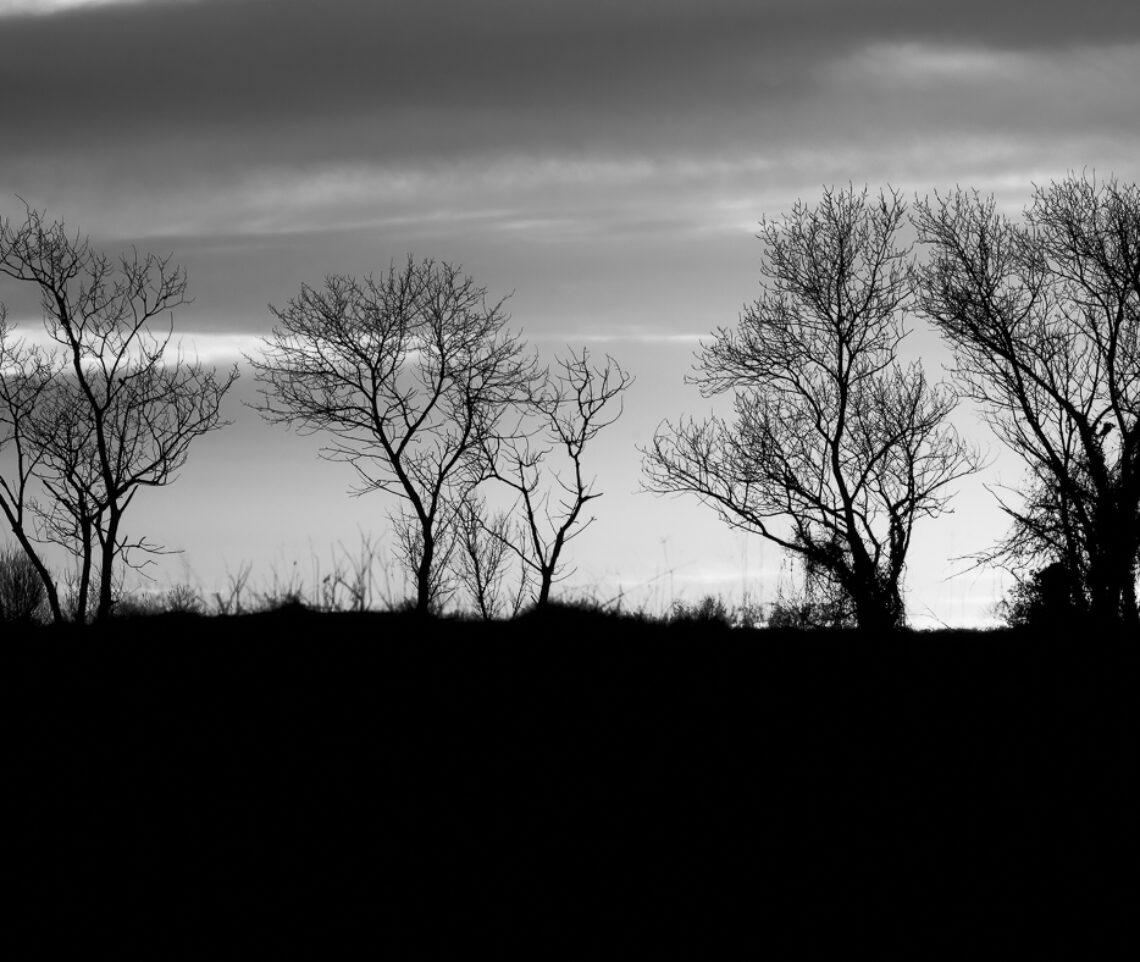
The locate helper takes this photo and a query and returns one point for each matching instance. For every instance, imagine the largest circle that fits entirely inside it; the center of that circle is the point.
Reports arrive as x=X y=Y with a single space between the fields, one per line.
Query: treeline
x=835 y=450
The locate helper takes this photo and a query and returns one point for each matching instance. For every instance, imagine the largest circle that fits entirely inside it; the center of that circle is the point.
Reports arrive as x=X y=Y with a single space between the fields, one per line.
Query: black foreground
x=572 y=784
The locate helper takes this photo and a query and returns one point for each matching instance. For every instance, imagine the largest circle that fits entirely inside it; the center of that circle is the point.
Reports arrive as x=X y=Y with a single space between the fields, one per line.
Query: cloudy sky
x=607 y=162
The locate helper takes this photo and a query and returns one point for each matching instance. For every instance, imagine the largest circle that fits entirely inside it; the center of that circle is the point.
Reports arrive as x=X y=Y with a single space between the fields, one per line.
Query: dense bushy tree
x=1044 y=319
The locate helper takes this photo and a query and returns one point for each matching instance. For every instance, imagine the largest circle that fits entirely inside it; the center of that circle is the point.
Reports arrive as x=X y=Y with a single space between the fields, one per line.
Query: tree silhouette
x=837 y=449
x=409 y=373
x=116 y=405
x=1044 y=319
x=572 y=406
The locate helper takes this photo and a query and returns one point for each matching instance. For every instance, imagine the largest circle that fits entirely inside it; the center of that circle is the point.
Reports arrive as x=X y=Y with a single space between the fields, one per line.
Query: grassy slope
x=448 y=783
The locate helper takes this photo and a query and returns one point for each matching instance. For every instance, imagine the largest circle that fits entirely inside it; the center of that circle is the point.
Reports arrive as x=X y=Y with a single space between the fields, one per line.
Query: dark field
x=573 y=784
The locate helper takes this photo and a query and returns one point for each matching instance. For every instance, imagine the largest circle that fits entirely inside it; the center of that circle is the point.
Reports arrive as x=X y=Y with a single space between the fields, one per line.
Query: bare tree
x=573 y=405
x=1044 y=319
x=837 y=449
x=124 y=406
x=408 y=373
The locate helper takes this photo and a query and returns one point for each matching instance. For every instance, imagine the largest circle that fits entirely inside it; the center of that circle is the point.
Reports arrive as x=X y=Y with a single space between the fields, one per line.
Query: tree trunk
x=81 y=600
x=83 y=594
x=106 y=571
x=1112 y=574
x=878 y=604
x=423 y=574
x=546 y=580
x=45 y=577
x=52 y=595
x=873 y=616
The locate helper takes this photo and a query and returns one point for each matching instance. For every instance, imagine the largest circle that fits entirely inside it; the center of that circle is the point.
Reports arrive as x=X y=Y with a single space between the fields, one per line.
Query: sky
x=605 y=164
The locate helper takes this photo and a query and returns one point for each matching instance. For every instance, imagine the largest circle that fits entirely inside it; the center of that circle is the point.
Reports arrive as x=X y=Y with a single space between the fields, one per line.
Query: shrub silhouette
x=183 y=600
x=22 y=592
x=803 y=613
x=710 y=610
x=1051 y=596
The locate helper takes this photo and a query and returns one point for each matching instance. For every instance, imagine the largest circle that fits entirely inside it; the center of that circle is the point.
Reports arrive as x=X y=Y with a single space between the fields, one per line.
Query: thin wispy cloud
x=43 y=8
x=212 y=348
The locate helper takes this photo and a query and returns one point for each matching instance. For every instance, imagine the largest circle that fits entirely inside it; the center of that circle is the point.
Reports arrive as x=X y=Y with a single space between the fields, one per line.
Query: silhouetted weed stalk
x=357 y=581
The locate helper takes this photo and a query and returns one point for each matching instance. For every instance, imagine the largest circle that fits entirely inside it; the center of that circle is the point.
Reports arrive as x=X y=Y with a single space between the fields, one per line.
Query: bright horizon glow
x=50 y=7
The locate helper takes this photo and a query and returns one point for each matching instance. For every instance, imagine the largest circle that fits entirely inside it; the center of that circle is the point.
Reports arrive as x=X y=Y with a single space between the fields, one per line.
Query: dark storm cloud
x=266 y=81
